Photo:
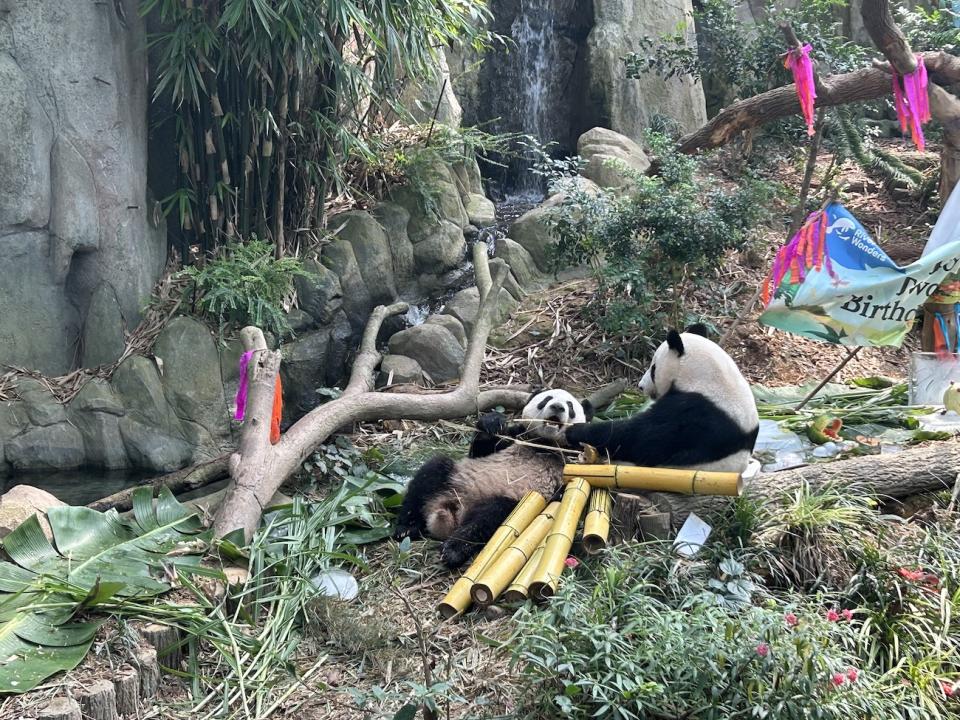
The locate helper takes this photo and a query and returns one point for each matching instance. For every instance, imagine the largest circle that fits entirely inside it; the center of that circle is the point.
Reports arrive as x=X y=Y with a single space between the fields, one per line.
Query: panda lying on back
x=463 y=502
x=704 y=415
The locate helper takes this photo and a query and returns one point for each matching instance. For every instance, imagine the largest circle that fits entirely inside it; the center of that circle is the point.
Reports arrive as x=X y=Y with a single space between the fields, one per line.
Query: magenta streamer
x=798 y=62
x=913 y=104
x=242 y=390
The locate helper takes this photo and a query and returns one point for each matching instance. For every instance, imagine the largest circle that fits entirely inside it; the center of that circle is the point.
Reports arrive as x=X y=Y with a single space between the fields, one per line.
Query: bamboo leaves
x=94 y=557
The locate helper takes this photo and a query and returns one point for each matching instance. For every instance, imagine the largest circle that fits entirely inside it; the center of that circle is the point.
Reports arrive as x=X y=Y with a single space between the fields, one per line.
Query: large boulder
x=441 y=250
x=137 y=384
x=341 y=259
x=341 y=350
x=481 y=211
x=103 y=332
x=20 y=503
x=191 y=379
x=465 y=305
x=627 y=105
x=52 y=447
x=96 y=411
x=607 y=154
x=394 y=220
x=398 y=370
x=42 y=407
x=320 y=294
x=75 y=212
x=371 y=250
x=434 y=347
x=303 y=370
x=151 y=449
x=521 y=263
x=451 y=324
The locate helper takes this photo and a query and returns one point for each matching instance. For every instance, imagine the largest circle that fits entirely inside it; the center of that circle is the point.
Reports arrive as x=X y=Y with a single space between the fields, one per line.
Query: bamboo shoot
x=560 y=540
x=687 y=482
x=596 y=524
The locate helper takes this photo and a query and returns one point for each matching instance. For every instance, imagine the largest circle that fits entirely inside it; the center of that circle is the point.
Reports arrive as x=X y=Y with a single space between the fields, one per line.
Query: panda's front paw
x=492 y=423
x=455 y=553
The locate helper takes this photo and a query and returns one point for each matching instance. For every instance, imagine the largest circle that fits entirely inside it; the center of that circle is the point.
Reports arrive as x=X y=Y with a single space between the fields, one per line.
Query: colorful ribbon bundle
x=798 y=62
x=241 y=400
x=913 y=105
x=941 y=334
x=806 y=251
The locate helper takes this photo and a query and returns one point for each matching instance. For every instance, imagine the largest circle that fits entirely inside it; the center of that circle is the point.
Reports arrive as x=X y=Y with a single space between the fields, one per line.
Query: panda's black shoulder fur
x=680 y=429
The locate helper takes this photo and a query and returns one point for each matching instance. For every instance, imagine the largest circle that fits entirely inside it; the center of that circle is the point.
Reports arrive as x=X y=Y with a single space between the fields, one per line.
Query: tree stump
x=634 y=516
x=148 y=669
x=98 y=701
x=166 y=641
x=61 y=708
x=126 y=684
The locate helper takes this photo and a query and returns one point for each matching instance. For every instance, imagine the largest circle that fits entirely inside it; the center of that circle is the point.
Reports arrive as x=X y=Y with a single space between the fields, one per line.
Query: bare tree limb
x=361 y=376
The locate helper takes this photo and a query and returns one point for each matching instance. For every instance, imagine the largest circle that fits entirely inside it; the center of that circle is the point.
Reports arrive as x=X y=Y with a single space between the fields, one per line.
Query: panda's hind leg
x=431 y=480
x=479 y=524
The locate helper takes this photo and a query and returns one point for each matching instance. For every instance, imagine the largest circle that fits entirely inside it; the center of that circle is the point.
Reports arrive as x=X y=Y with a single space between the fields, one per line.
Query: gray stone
x=629 y=106
x=399 y=370
x=610 y=156
x=451 y=324
x=371 y=250
x=53 y=447
x=532 y=229
x=102 y=442
x=97 y=396
x=299 y=321
x=469 y=180
x=434 y=347
x=342 y=346
x=480 y=210
x=465 y=305
x=191 y=377
x=41 y=406
x=74 y=207
x=103 y=338
x=20 y=503
x=394 y=220
x=303 y=370
x=421 y=98
x=230 y=361
x=431 y=197
x=151 y=449
x=339 y=257
x=321 y=294
x=521 y=263
x=443 y=250
x=137 y=383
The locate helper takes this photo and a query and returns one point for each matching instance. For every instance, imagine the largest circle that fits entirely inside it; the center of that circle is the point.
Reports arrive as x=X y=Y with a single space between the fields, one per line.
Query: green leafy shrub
x=660 y=238
x=246 y=285
x=612 y=645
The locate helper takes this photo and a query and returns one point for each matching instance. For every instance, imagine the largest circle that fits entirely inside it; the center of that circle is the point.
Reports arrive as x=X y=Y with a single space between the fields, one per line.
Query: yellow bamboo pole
x=626 y=477
x=458 y=599
x=544 y=582
x=501 y=573
x=519 y=589
x=596 y=523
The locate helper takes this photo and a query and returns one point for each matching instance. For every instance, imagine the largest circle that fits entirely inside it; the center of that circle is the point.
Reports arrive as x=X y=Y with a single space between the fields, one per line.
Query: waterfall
x=534 y=33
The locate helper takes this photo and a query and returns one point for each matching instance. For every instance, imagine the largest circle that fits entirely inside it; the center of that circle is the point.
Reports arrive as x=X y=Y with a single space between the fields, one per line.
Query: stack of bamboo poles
x=526 y=555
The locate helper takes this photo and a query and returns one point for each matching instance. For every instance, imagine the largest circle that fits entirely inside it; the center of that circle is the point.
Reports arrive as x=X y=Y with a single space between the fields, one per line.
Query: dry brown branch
x=191 y=478
x=259 y=468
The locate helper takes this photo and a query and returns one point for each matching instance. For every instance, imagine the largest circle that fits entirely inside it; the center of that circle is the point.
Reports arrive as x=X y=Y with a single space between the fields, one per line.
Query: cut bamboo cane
x=458 y=599
x=501 y=573
x=596 y=524
x=519 y=589
x=687 y=482
x=560 y=540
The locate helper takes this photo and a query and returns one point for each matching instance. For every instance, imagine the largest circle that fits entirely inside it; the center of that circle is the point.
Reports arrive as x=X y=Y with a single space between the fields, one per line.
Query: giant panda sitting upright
x=703 y=417
x=463 y=502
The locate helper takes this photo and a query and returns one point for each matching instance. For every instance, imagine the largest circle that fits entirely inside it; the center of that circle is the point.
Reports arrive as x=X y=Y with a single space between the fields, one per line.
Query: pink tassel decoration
x=913 y=105
x=242 y=390
x=798 y=62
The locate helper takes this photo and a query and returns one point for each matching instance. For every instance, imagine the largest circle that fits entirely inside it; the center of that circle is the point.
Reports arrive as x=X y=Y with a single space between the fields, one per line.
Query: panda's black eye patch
x=543 y=403
x=570 y=405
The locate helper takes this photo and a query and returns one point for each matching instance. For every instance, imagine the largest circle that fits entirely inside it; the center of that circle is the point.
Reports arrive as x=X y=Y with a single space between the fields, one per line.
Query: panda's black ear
x=698 y=329
x=674 y=342
x=534 y=391
x=588 y=409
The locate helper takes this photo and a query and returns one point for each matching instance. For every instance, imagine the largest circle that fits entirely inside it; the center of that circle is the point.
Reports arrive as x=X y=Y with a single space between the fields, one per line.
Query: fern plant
x=246 y=285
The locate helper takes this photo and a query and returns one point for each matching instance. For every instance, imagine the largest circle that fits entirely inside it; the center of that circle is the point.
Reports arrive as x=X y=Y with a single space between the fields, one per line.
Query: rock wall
x=75 y=212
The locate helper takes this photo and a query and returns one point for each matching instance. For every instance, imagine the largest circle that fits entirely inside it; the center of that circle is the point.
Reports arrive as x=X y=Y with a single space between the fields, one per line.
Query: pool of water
x=78 y=487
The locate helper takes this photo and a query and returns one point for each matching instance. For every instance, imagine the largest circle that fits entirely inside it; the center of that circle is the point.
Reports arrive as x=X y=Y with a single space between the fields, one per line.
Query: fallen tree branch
x=866 y=84
x=191 y=478
x=258 y=468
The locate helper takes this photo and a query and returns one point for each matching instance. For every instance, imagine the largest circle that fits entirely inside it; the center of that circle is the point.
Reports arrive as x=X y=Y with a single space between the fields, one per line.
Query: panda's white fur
x=464 y=501
x=703 y=415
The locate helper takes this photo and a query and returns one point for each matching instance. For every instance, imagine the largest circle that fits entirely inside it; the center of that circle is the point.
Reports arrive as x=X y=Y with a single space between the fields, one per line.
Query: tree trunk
x=928 y=468
x=259 y=468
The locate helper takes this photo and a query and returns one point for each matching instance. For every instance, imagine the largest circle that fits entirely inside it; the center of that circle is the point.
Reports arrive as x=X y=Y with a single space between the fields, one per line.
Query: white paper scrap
x=692 y=536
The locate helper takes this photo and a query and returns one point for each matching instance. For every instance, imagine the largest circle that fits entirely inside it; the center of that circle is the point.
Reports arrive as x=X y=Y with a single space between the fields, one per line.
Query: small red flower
x=832 y=615
x=948 y=688
x=571 y=562
x=763 y=649
x=852 y=674
x=791 y=619
x=931 y=580
x=912 y=575
x=838 y=679
x=847 y=614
